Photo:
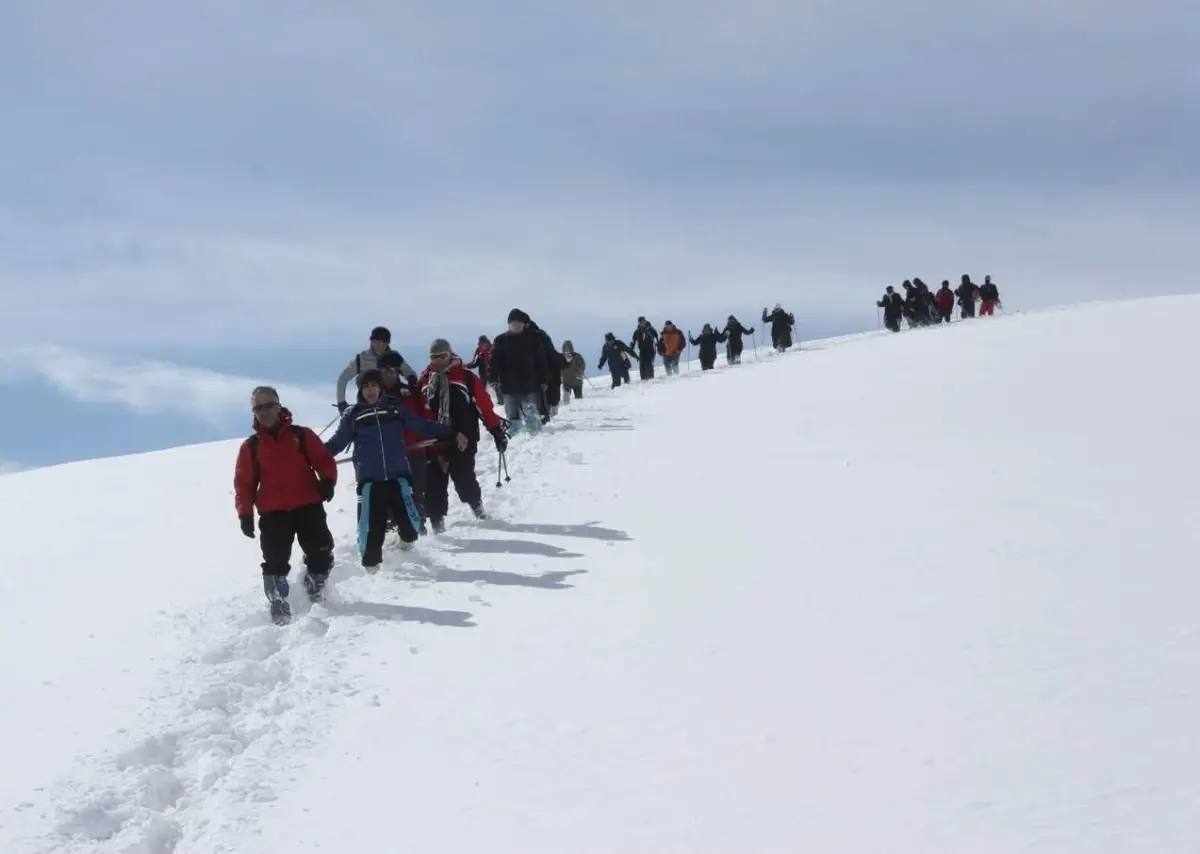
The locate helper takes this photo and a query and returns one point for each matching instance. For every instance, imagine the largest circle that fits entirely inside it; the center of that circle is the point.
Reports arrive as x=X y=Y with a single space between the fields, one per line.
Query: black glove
x=325 y=487
x=247 y=525
x=501 y=439
x=342 y=407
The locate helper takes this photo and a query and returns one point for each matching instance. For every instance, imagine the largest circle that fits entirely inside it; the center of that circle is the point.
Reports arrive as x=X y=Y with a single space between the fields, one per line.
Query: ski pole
x=502 y=466
x=330 y=424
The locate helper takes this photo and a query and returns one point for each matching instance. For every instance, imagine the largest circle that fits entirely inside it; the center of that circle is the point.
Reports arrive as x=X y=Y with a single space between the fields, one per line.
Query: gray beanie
x=440 y=345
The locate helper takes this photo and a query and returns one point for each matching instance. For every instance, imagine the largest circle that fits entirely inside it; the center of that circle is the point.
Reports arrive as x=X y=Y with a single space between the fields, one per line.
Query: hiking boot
x=314 y=585
x=276 y=588
x=479 y=512
x=438 y=525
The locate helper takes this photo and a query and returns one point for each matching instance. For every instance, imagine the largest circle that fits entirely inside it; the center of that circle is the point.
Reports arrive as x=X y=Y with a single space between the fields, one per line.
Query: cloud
x=149 y=387
x=220 y=172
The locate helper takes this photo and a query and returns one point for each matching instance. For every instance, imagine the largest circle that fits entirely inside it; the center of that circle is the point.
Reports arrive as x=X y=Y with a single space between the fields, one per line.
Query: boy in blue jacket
x=375 y=424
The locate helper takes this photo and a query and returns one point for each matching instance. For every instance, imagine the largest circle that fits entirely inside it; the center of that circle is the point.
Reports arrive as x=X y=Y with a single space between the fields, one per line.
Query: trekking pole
x=330 y=424
x=589 y=382
x=502 y=466
x=754 y=338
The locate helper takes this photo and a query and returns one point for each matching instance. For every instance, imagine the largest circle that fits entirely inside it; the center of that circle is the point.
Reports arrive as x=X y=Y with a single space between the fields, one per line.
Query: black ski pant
x=618 y=377
x=892 y=322
x=646 y=367
x=707 y=364
x=946 y=314
x=377 y=500
x=968 y=310
x=569 y=391
x=459 y=467
x=279 y=529
x=671 y=363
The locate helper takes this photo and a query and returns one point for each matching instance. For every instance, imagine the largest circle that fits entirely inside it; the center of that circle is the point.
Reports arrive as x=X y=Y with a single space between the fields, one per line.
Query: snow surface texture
x=930 y=592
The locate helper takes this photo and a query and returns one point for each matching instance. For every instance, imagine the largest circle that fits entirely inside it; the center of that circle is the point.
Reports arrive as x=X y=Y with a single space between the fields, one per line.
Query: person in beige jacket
x=368 y=360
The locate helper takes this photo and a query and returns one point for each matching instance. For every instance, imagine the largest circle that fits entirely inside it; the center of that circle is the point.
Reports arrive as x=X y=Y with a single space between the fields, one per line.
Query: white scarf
x=439 y=390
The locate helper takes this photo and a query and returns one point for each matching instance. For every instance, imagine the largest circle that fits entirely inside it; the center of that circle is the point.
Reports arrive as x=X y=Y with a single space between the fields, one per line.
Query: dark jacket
x=781 y=326
x=892 y=305
x=734 y=331
x=377 y=431
x=611 y=355
x=519 y=361
x=644 y=342
x=707 y=342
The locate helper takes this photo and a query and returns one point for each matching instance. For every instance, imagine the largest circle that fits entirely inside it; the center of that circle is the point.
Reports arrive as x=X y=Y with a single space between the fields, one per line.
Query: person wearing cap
x=459 y=399
x=375 y=424
x=615 y=354
x=644 y=342
x=368 y=359
x=519 y=367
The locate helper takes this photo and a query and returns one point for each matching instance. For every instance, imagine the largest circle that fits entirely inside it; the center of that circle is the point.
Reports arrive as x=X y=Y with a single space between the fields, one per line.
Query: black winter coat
x=519 y=361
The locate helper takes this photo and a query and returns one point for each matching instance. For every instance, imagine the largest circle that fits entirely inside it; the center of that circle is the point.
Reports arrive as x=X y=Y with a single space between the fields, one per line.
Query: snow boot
x=479 y=512
x=276 y=587
x=438 y=525
x=314 y=585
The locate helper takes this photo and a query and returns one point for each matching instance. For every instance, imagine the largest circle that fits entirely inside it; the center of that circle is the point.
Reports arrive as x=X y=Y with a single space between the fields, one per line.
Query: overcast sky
x=277 y=176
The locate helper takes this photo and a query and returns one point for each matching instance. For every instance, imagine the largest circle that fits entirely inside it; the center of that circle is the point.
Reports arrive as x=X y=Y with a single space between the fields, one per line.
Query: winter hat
x=483 y=339
x=518 y=315
x=440 y=345
x=371 y=376
x=390 y=359
x=381 y=333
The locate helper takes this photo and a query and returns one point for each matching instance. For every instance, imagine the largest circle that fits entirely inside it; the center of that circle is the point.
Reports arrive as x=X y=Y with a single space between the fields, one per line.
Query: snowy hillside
x=930 y=592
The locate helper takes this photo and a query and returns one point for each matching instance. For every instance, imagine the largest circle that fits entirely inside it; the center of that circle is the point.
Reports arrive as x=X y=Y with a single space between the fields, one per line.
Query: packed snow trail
x=941 y=579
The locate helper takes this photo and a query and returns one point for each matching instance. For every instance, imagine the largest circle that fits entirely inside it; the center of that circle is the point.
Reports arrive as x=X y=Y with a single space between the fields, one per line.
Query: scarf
x=439 y=390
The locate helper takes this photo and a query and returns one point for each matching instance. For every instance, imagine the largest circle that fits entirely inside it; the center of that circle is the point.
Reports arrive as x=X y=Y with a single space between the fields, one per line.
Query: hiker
x=375 y=424
x=989 y=296
x=616 y=355
x=458 y=399
x=407 y=394
x=644 y=342
x=573 y=373
x=734 y=331
x=285 y=472
x=893 y=308
x=945 y=302
x=781 y=327
x=708 y=341
x=480 y=362
x=670 y=344
x=967 y=293
x=519 y=367
x=381 y=342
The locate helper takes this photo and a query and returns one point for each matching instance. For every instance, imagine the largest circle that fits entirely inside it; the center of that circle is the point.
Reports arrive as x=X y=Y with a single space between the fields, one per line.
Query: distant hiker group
x=921 y=307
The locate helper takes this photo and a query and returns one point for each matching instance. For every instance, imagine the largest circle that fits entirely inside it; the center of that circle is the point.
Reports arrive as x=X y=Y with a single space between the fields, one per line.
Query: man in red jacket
x=286 y=472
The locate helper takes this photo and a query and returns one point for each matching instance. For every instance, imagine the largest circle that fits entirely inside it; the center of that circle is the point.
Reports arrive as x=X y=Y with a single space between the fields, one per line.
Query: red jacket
x=482 y=359
x=945 y=299
x=413 y=398
x=287 y=479
x=470 y=402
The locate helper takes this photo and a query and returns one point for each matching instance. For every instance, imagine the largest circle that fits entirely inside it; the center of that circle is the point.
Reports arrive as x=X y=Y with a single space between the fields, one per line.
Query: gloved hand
x=326 y=488
x=501 y=439
x=247 y=525
x=342 y=406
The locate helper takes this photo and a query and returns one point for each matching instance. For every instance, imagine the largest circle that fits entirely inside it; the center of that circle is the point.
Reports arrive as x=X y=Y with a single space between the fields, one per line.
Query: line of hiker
x=921 y=307
x=413 y=434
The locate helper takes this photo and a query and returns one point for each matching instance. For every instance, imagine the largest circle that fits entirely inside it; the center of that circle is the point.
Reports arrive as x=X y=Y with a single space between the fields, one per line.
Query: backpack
x=252 y=442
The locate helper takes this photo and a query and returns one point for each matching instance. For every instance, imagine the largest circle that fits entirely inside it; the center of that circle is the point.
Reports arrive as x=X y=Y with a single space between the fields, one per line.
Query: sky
x=195 y=196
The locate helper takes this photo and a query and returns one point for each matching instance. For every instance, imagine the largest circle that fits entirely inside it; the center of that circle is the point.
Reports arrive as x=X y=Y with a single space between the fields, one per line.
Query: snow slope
x=931 y=592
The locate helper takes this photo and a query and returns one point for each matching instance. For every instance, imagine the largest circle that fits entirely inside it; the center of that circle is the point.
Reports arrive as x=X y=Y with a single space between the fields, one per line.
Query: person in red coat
x=285 y=472
x=457 y=397
x=481 y=363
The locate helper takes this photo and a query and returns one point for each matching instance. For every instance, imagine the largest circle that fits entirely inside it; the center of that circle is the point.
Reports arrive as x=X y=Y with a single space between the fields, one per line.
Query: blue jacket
x=377 y=431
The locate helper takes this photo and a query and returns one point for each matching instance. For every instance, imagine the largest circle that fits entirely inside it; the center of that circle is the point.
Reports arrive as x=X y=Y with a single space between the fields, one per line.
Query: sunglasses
x=437 y=357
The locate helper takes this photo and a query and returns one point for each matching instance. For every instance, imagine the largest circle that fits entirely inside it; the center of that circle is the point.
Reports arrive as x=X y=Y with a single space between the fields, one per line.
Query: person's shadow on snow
x=507 y=547
x=407 y=613
x=584 y=530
